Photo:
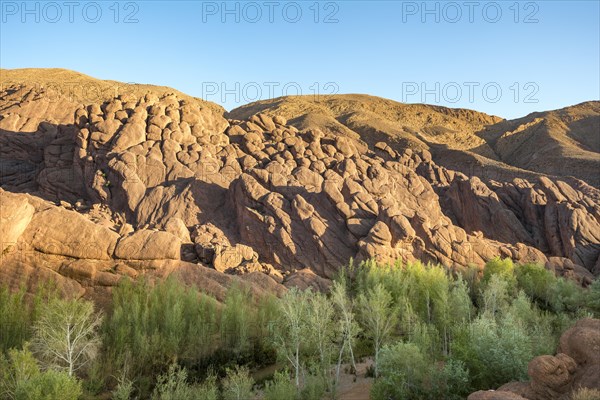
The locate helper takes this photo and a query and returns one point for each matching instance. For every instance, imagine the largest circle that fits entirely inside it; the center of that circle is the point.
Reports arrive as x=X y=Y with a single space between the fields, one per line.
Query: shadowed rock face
x=150 y=183
x=575 y=366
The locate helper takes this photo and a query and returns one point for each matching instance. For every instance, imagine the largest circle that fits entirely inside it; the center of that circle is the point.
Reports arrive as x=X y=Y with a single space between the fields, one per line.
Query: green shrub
x=18 y=312
x=49 y=385
x=21 y=379
x=456 y=381
x=124 y=390
x=173 y=385
x=237 y=320
x=592 y=297
x=17 y=367
x=15 y=319
x=237 y=385
x=209 y=389
x=403 y=369
x=314 y=388
x=281 y=387
x=495 y=352
x=535 y=280
x=566 y=297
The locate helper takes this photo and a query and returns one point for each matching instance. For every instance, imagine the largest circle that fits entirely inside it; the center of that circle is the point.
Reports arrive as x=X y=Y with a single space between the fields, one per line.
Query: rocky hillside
x=561 y=143
x=146 y=180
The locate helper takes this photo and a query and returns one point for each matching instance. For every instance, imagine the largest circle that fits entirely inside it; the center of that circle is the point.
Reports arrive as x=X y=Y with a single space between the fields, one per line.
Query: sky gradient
x=504 y=58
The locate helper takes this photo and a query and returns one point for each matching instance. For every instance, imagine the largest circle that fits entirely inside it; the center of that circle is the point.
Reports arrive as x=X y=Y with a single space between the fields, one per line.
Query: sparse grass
x=586 y=394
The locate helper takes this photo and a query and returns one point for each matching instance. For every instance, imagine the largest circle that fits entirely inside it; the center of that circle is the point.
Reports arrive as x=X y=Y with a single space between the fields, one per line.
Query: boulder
x=148 y=245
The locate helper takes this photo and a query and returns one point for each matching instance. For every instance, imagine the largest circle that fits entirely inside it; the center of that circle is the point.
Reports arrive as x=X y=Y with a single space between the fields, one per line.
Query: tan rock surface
x=145 y=177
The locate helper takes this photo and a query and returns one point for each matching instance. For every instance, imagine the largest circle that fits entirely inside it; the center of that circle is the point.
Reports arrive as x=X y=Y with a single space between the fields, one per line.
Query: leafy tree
x=495 y=296
x=348 y=328
x=566 y=297
x=208 y=390
x=65 y=334
x=292 y=331
x=502 y=268
x=378 y=317
x=321 y=332
x=456 y=381
x=536 y=281
x=460 y=311
x=538 y=325
x=237 y=385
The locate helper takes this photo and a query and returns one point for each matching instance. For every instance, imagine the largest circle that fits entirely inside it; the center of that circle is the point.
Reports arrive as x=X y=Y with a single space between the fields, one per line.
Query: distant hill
x=563 y=142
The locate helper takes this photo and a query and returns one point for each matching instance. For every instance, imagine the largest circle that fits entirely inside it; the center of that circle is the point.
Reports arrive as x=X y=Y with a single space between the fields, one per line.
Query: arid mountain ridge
x=102 y=180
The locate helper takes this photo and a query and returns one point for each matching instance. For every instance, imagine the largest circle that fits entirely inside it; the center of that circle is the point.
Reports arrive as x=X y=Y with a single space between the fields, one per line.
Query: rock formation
x=158 y=182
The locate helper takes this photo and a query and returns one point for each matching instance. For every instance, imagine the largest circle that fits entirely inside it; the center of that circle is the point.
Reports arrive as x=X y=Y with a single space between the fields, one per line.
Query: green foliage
x=347 y=327
x=292 y=329
x=209 y=389
x=237 y=385
x=407 y=372
x=495 y=296
x=378 y=316
x=314 y=388
x=454 y=381
x=502 y=268
x=49 y=385
x=152 y=326
x=236 y=320
x=521 y=311
x=124 y=390
x=21 y=379
x=441 y=335
x=18 y=367
x=18 y=312
x=173 y=385
x=565 y=296
x=494 y=351
x=281 y=387
x=403 y=373
x=592 y=297
x=535 y=280
x=321 y=331
x=15 y=319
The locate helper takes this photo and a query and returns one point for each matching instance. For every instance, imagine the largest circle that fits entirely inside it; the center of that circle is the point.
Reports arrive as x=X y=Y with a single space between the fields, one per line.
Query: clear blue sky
x=544 y=51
